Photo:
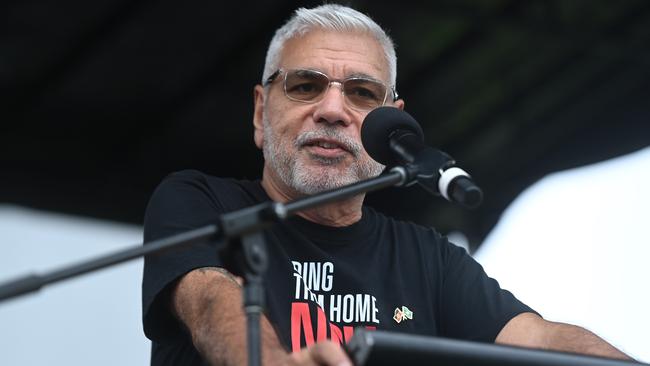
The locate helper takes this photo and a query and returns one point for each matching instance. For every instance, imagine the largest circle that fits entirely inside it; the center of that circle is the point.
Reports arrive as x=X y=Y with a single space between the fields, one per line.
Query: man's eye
x=304 y=88
x=364 y=93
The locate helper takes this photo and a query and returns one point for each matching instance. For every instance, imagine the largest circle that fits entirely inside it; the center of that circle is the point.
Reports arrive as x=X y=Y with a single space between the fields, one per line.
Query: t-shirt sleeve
x=474 y=306
x=181 y=202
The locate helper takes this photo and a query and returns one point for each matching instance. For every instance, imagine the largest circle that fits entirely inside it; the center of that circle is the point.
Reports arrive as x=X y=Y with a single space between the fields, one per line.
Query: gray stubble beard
x=299 y=176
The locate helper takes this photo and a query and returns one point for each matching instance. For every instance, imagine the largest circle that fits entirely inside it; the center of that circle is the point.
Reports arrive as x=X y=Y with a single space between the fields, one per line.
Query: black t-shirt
x=323 y=281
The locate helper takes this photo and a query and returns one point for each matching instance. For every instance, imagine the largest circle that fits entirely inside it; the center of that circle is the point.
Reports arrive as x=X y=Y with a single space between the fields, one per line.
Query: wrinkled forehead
x=339 y=54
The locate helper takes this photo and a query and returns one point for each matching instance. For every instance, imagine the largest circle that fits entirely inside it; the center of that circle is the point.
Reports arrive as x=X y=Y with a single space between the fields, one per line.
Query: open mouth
x=326 y=147
x=325 y=144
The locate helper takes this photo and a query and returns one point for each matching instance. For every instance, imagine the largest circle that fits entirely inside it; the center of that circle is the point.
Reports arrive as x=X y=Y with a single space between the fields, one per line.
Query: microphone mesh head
x=377 y=128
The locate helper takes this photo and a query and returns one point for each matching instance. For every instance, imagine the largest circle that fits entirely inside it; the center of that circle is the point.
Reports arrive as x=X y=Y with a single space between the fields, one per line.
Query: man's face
x=311 y=147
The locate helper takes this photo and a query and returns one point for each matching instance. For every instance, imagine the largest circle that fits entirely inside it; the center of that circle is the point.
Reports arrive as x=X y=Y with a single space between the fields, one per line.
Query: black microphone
x=392 y=137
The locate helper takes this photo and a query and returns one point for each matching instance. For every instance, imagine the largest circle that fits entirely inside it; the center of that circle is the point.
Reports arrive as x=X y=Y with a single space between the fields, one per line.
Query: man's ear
x=258 y=113
x=399 y=104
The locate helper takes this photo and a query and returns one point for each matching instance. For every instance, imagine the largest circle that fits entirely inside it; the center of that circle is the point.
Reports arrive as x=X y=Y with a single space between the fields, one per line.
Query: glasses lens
x=305 y=85
x=364 y=94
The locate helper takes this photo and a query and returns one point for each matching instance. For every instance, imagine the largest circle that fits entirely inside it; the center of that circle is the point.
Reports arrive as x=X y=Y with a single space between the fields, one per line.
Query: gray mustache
x=335 y=134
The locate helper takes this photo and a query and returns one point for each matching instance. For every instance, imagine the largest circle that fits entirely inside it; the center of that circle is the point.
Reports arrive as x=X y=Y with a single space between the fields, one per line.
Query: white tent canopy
x=90 y=320
x=576 y=247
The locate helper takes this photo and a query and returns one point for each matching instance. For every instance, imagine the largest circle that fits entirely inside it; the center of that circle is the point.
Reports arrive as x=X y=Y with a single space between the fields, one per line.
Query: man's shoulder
x=192 y=176
x=194 y=181
x=192 y=191
x=189 y=198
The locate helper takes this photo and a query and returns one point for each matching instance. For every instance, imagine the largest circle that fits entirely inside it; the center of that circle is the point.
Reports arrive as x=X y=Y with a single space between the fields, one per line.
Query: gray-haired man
x=336 y=267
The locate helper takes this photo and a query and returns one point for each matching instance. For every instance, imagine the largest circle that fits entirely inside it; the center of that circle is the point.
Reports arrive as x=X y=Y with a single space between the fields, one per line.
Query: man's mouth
x=326 y=147
x=326 y=144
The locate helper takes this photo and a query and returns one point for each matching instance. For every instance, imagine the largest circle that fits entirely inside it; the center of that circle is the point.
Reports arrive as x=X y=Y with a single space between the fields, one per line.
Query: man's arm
x=208 y=301
x=530 y=330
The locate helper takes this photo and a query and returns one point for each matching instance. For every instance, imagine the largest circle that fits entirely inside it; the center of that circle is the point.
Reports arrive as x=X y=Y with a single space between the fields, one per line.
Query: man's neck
x=340 y=213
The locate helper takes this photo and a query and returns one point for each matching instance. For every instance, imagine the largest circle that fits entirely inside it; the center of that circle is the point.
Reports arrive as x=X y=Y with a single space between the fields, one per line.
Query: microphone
x=392 y=137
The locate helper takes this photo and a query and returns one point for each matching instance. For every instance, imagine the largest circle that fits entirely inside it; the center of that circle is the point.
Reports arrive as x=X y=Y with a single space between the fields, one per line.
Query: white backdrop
x=576 y=248
x=91 y=320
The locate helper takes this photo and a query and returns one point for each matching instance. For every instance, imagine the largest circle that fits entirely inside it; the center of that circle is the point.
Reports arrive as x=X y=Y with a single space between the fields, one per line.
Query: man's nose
x=333 y=108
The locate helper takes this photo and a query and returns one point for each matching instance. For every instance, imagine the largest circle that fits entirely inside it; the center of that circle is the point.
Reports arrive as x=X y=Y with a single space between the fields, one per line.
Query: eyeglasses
x=310 y=86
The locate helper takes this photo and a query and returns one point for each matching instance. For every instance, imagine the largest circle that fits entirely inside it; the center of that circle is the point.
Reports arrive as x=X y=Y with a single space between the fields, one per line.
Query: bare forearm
x=530 y=330
x=208 y=301
x=571 y=338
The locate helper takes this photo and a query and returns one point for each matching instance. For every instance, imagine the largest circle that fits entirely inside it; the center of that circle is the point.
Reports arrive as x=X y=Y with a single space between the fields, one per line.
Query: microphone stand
x=249 y=250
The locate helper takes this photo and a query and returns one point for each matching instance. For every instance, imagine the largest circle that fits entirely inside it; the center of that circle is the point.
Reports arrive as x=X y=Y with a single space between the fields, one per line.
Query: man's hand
x=322 y=353
x=530 y=330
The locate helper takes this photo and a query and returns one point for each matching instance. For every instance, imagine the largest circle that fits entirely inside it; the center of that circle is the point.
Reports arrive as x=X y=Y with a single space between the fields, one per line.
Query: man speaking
x=336 y=267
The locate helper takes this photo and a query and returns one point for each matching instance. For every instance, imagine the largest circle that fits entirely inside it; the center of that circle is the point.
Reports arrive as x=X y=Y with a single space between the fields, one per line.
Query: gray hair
x=332 y=17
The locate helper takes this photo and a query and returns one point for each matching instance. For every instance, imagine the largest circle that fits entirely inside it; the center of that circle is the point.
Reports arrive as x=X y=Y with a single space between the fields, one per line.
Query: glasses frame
x=285 y=72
